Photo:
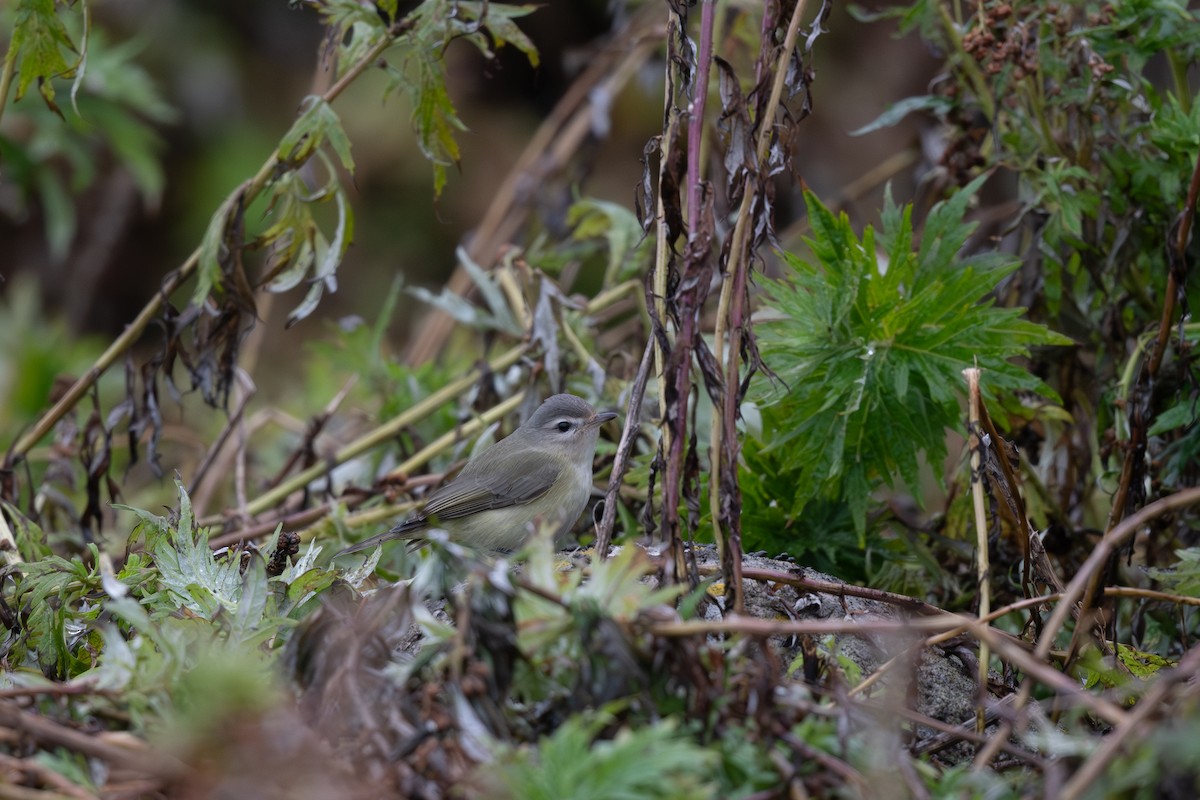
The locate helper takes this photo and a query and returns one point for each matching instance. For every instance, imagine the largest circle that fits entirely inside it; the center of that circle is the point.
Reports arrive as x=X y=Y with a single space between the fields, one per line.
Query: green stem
x=1179 y=70
x=382 y=433
x=730 y=314
x=968 y=66
x=134 y=330
x=460 y=432
x=6 y=77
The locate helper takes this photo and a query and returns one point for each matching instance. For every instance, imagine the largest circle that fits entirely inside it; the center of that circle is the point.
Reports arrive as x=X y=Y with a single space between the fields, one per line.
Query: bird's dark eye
x=564 y=426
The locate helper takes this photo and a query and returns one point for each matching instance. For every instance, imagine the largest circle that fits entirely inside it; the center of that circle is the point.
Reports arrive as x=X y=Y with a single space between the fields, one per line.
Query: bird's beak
x=601 y=418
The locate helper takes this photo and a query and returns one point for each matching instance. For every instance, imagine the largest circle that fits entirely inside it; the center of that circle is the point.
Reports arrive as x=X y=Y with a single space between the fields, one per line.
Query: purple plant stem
x=699 y=103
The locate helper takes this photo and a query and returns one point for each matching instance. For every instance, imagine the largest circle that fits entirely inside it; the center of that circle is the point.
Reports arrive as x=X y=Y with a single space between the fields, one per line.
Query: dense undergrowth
x=819 y=412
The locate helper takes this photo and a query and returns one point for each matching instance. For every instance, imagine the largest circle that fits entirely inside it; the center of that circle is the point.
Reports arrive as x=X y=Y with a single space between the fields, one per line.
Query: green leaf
x=498 y=19
x=1141 y=664
x=135 y=144
x=189 y=575
x=1184 y=577
x=317 y=124
x=297 y=248
x=212 y=250
x=53 y=593
x=252 y=604
x=36 y=50
x=873 y=352
x=501 y=317
x=1174 y=417
x=898 y=111
x=655 y=761
x=618 y=226
x=435 y=119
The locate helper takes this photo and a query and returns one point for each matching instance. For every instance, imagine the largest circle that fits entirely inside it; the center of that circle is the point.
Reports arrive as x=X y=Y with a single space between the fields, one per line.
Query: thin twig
x=464 y=431
x=673 y=421
x=841 y=589
x=1088 y=573
x=48 y=732
x=959 y=732
x=946 y=636
x=56 y=690
x=384 y=432
x=723 y=432
x=43 y=775
x=633 y=416
x=753 y=626
x=1006 y=645
x=203 y=481
x=560 y=134
x=695 y=174
x=1152 y=703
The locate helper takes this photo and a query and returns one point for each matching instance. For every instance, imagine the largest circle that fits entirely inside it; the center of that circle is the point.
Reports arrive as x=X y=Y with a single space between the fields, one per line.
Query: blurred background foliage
x=1041 y=155
x=181 y=101
x=111 y=183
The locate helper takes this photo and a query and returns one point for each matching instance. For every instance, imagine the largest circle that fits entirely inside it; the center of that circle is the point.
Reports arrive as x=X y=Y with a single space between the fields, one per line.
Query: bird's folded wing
x=469 y=494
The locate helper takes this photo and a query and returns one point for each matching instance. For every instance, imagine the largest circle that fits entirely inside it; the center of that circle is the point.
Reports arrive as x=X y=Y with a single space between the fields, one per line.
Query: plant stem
x=633 y=415
x=660 y=242
x=134 y=330
x=1134 y=448
x=381 y=434
x=467 y=429
x=1179 y=75
x=115 y=350
x=723 y=446
x=696 y=122
x=967 y=64
x=1084 y=582
x=10 y=69
x=983 y=573
x=660 y=254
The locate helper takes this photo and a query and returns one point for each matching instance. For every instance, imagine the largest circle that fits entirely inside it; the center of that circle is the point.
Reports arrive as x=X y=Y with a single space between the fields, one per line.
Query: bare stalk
x=633 y=415
x=983 y=570
x=723 y=447
x=381 y=434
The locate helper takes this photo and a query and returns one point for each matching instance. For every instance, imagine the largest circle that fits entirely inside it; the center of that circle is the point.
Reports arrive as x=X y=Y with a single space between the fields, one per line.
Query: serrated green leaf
x=208 y=268
x=656 y=761
x=317 y=125
x=252 y=604
x=435 y=119
x=189 y=574
x=874 y=352
x=1174 y=417
x=498 y=19
x=36 y=50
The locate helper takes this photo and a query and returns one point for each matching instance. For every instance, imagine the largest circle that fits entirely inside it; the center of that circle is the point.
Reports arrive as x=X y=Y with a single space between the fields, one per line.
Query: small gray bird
x=541 y=473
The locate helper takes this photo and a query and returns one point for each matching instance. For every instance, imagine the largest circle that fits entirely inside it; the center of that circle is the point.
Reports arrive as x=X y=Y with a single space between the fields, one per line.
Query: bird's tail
x=409 y=529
